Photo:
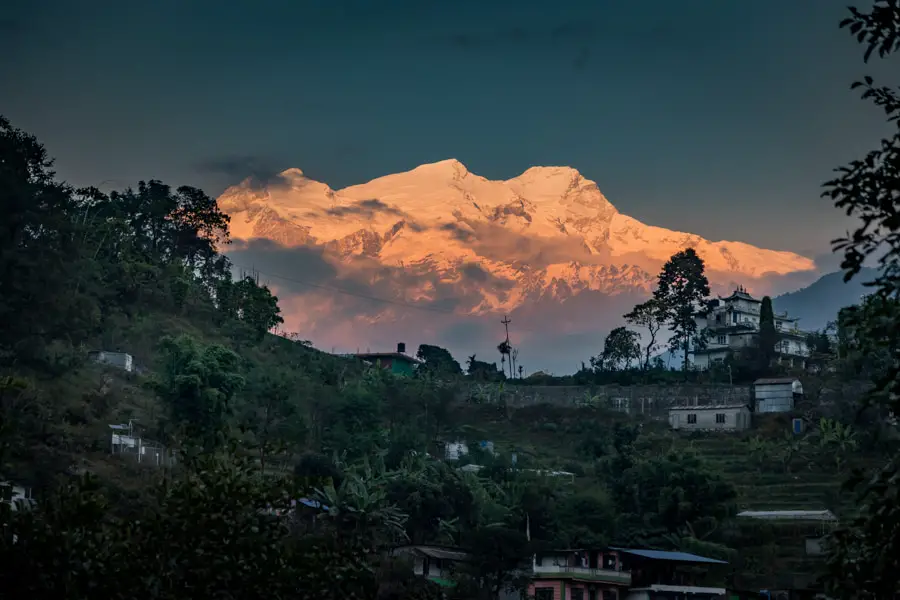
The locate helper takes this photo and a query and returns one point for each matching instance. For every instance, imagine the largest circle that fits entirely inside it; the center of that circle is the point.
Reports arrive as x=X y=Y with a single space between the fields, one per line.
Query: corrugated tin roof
x=443 y=553
x=795 y=515
x=774 y=380
x=672 y=556
x=437 y=552
x=311 y=503
x=710 y=406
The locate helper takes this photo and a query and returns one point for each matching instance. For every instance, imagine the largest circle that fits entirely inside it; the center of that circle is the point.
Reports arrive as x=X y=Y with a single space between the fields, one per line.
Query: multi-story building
x=732 y=324
x=621 y=574
x=588 y=574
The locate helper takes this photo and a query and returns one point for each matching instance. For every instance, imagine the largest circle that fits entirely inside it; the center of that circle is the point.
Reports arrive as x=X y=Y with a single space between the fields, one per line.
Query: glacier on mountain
x=547 y=232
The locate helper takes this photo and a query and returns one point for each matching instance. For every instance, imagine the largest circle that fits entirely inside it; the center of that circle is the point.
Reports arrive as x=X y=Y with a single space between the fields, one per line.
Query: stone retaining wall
x=653 y=400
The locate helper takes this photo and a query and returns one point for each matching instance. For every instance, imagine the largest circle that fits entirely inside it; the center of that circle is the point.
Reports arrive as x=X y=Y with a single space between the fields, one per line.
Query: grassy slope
x=92 y=396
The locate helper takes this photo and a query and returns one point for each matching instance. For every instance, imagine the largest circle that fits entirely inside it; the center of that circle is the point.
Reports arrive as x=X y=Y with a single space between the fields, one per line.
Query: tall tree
x=505 y=350
x=863 y=554
x=681 y=290
x=621 y=347
x=438 y=361
x=768 y=335
x=648 y=315
x=198 y=384
x=482 y=371
x=38 y=250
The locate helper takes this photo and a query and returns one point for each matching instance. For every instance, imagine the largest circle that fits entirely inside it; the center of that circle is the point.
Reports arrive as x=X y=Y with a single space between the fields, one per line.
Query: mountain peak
x=292 y=173
x=554 y=178
x=522 y=231
x=450 y=166
x=550 y=171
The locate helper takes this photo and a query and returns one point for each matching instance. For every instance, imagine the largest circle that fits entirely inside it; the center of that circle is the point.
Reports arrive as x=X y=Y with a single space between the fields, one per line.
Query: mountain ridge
x=441 y=235
x=818 y=304
x=445 y=215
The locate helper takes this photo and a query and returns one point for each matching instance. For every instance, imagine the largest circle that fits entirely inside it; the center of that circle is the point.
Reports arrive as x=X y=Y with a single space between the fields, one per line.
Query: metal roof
x=684 y=557
x=710 y=406
x=310 y=503
x=774 y=380
x=795 y=515
x=436 y=552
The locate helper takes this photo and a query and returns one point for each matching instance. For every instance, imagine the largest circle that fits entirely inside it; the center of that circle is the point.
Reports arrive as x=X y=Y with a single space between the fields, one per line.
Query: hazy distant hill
x=819 y=302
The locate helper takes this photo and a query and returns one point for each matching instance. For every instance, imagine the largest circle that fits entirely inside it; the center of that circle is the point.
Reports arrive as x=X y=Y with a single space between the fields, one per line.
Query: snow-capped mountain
x=440 y=231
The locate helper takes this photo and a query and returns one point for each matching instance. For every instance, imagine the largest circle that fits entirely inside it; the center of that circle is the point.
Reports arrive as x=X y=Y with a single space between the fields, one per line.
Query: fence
x=141 y=450
x=651 y=400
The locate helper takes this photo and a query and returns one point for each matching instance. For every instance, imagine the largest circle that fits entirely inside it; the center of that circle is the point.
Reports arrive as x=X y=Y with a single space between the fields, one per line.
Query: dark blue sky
x=716 y=117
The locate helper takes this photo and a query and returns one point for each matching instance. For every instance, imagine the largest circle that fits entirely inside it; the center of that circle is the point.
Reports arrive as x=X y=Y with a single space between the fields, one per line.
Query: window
x=734 y=317
x=692 y=419
x=777 y=324
x=543 y=594
x=577 y=594
x=720 y=418
x=722 y=340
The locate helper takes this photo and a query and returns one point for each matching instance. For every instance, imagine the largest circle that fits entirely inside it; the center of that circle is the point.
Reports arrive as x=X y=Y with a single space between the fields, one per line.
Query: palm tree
x=359 y=510
x=759 y=449
x=505 y=350
x=836 y=437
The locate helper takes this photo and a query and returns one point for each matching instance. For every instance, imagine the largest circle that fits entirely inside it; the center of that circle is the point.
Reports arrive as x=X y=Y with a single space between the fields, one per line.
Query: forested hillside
x=253 y=422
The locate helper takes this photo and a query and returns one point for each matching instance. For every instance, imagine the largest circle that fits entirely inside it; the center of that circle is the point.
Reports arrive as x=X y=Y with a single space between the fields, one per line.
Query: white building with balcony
x=732 y=324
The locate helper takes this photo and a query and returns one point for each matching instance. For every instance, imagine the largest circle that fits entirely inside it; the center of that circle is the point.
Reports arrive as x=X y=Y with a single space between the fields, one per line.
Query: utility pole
x=506 y=321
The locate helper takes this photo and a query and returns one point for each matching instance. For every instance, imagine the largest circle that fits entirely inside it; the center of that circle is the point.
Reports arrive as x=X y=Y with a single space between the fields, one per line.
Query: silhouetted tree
x=437 y=361
x=651 y=316
x=621 y=347
x=768 y=335
x=681 y=290
x=505 y=350
x=482 y=371
x=863 y=553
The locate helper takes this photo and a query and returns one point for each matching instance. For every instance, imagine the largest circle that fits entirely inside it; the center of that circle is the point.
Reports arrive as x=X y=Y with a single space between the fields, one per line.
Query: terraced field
x=764 y=484
x=773 y=554
x=771 y=470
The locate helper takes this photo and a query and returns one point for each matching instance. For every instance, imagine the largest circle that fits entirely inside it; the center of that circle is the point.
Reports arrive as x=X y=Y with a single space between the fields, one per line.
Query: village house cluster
x=732 y=324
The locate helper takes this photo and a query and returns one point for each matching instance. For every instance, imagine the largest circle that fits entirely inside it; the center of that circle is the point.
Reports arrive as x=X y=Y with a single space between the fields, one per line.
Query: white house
x=17 y=496
x=723 y=417
x=776 y=394
x=458 y=449
x=732 y=323
x=121 y=360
